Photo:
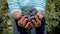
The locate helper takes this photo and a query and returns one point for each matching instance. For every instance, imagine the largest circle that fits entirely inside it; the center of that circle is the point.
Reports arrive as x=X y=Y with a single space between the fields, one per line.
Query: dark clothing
x=20 y=30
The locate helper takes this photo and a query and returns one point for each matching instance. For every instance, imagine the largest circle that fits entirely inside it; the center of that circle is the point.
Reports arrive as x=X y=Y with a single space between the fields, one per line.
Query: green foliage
x=52 y=17
x=4 y=18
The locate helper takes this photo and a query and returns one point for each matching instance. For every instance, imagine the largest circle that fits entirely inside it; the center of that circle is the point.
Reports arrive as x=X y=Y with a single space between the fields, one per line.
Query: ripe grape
x=30 y=13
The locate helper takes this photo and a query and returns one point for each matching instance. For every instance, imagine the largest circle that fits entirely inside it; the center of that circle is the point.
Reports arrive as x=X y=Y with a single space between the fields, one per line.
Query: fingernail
x=28 y=22
x=25 y=19
x=32 y=20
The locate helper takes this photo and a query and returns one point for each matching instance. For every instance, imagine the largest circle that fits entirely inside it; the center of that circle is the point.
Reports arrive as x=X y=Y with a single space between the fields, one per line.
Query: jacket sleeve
x=13 y=6
x=40 y=4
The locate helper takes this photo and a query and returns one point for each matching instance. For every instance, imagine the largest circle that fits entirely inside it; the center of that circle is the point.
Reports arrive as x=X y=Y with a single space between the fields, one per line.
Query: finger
x=24 y=23
x=27 y=25
x=37 y=19
x=23 y=18
x=34 y=23
x=38 y=25
x=41 y=17
x=18 y=23
x=30 y=26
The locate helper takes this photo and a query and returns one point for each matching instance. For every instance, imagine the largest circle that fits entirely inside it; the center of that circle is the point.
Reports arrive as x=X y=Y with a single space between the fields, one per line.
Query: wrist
x=16 y=15
x=40 y=12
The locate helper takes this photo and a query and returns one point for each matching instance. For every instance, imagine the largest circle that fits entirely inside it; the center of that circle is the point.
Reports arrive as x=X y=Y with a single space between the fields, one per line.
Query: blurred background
x=52 y=14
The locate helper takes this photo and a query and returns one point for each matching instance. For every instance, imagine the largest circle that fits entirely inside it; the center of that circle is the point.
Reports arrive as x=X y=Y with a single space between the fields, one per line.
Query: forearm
x=40 y=5
x=14 y=8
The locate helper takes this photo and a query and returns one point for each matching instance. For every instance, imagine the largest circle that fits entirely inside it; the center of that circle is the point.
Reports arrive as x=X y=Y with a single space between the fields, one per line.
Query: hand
x=28 y=25
x=23 y=23
x=40 y=14
x=36 y=23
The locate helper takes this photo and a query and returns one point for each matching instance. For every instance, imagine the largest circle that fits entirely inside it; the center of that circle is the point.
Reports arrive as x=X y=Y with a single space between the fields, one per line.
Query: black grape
x=30 y=13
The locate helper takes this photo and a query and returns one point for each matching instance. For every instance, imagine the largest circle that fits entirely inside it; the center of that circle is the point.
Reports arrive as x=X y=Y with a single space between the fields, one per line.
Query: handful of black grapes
x=30 y=13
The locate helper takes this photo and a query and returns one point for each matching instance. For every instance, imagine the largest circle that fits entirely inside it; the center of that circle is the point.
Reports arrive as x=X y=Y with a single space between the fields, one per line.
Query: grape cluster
x=30 y=13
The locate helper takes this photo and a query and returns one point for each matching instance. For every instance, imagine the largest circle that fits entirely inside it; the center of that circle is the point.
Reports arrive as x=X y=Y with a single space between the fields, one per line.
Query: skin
x=23 y=20
x=40 y=14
